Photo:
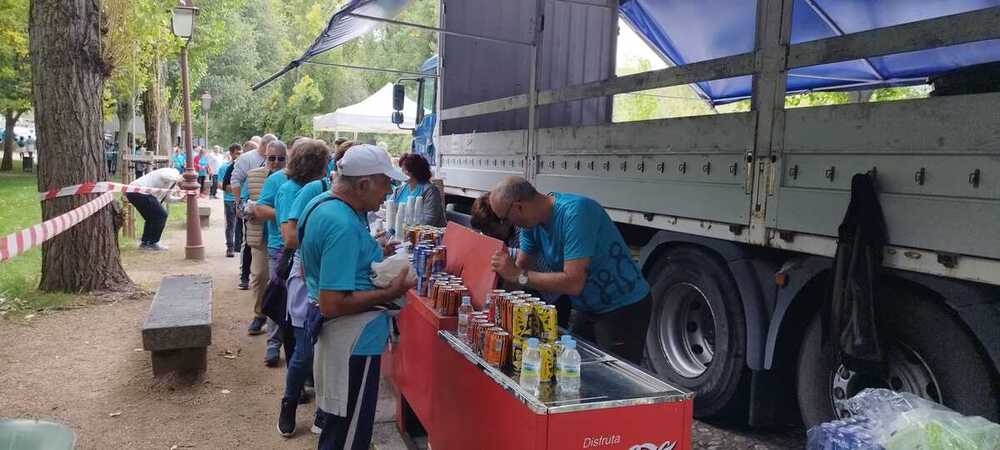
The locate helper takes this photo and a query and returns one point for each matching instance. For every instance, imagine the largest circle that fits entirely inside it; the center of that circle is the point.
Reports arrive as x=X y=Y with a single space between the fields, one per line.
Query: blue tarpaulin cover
x=342 y=28
x=686 y=31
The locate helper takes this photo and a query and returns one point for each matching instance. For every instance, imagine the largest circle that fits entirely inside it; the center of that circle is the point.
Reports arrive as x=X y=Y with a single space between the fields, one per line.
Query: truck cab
x=426 y=89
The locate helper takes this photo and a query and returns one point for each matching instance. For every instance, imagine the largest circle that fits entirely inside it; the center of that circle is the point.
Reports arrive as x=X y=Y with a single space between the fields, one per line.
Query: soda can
x=504 y=357
x=548 y=366
x=493 y=301
x=516 y=293
x=442 y=261
x=499 y=341
x=474 y=326
x=481 y=338
x=516 y=352
x=547 y=320
x=521 y=323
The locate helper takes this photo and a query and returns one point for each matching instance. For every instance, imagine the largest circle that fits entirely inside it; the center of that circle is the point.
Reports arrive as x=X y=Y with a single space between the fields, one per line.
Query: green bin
x=26 y=434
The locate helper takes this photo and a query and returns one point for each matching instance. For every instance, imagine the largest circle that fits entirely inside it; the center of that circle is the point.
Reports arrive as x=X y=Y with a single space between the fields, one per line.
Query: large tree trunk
x=151 y=110
x=123 y=110
x=10 y=120
x=68 y=74
x=175 y=130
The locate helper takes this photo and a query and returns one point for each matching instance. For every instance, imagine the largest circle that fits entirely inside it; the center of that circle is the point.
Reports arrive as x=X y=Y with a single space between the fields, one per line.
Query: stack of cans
x=445 y=292
x=520 y=316
x=428 y=260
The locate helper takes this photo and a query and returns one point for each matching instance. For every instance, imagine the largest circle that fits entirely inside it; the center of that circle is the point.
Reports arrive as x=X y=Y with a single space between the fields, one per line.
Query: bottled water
x=568 y=368
x=531 y=365
x=464 y=312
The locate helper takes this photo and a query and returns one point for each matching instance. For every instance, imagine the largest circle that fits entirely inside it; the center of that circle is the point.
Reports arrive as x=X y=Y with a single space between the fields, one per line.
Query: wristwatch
x=522 y=278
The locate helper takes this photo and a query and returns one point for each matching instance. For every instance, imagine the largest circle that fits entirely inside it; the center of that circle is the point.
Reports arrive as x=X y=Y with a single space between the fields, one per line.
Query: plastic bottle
x=464 y=311
x=568 y=368
x=531 y=364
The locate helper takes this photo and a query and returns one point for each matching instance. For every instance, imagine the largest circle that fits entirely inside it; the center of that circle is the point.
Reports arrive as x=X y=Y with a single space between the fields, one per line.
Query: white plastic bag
x=384 y=272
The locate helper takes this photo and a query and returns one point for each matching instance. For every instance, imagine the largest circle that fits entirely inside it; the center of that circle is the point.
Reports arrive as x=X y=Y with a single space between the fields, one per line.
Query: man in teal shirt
x=337 y=251
x=589 y=261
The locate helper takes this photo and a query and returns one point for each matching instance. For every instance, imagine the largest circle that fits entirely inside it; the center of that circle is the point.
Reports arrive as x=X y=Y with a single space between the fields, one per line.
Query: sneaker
x=305 y=397
x=257 y=326
x=229 y=253
x=317 y=426
x=272 y=357
x=244 y=285
x=286 y=419
x=155 y=246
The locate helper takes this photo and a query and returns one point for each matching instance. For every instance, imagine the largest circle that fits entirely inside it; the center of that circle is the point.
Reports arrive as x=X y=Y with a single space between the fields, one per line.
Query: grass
x=19 y=277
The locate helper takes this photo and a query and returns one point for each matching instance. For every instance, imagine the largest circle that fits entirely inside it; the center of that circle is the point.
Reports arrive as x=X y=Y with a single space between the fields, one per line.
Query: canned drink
x=548 y=367
x=481 y=338
x=474 y=325
x=442 y=260
x=516 y=293
x=496 y=356
x=516 y=352
x=493 y=301
x=547 y=320
x=521 y=323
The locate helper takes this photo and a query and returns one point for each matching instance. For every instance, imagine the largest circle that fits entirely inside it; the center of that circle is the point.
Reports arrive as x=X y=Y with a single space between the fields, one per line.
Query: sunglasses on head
x=275 y=158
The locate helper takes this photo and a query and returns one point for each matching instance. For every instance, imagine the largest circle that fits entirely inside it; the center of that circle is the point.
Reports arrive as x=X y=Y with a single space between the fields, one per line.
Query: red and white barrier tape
x=19 y=242
x=95 y=187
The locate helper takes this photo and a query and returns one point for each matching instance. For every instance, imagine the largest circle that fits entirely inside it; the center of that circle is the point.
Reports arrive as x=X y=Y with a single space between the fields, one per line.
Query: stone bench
x=204 y=213
x=178 y=328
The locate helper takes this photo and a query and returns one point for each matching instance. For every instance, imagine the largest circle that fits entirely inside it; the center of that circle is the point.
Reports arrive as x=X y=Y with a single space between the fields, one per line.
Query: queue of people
x=302 y=213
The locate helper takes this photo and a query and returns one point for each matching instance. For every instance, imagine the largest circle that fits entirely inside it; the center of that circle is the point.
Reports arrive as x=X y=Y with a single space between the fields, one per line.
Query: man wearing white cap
x=347 y=322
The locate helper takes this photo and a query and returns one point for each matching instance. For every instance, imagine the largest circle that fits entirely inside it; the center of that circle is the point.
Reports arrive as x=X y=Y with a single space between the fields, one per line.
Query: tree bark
x=10 y=120
x=68 y=74
x=123 y=110
x=151 y=110
x=175 y=129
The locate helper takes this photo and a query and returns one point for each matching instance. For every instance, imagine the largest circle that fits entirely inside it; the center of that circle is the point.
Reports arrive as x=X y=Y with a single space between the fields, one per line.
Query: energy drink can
x=498 y=347
x=516 y=352
x=548 y=367
x=547 y=320
x=474 y=326
x=521 y=323
x=481 y=337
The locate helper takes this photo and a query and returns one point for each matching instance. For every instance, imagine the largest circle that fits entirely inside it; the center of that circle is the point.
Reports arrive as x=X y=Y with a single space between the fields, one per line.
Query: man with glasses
x=276 y=154
x=337 y=251
x=590 y=262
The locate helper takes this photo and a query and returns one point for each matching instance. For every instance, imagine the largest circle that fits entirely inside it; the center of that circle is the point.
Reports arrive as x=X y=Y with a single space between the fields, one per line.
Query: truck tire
x=697 y=334
x=929 y=354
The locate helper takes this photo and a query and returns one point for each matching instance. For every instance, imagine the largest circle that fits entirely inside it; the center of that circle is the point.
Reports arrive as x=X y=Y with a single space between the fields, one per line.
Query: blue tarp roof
x=685 y=31
x=342 y=28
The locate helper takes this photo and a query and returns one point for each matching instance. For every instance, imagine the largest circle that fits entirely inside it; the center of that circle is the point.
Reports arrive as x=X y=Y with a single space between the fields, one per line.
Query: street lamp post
x=206 y=102
x=182 y=26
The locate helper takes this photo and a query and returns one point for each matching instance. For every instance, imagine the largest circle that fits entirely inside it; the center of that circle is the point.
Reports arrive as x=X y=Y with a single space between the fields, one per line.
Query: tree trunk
x=166 y=144
x=175 y=130
x=10 y=120
x=68 y=74
x=123 y=110
x=151 y=110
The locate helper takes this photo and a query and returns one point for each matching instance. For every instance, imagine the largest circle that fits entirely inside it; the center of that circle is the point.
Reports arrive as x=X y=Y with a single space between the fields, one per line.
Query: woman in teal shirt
x=419 y=185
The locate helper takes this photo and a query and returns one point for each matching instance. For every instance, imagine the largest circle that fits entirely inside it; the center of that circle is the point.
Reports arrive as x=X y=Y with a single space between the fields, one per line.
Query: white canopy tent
x=371 y=115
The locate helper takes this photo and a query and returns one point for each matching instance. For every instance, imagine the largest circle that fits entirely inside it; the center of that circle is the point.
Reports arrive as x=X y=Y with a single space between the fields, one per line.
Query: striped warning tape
x=96 y=187
x=16 y=243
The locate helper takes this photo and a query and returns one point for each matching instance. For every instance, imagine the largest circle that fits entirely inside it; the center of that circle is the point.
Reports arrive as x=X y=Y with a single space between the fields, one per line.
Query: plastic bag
x=384 y=272
x=898 y=420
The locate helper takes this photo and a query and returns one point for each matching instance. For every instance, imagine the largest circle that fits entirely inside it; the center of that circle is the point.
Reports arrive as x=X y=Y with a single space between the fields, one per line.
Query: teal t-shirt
x=337 y=252
x=580 y=228
x=403 y=193
x=305 y=195
x=330 y=167
x=284 y=200
x=268 y=193
x=226 y=195
x=202 y=165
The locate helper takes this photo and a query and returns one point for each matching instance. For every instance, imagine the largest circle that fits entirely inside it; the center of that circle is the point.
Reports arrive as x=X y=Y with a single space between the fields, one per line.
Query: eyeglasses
x=273 y=158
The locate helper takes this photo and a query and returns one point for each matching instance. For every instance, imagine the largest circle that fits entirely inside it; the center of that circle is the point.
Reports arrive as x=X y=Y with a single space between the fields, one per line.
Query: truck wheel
x=928 y=352
x=697 y=335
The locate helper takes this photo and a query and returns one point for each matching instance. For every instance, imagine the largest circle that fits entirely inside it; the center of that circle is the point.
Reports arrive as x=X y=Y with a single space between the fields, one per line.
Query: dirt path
x=85 y=368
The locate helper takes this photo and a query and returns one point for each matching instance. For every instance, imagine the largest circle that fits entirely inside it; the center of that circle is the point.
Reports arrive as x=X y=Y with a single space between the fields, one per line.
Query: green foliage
x=15 y=68
x=674 y=101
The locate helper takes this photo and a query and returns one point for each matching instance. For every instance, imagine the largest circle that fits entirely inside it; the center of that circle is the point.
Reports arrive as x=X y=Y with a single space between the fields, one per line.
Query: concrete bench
x=205 y=213
x=178 y=328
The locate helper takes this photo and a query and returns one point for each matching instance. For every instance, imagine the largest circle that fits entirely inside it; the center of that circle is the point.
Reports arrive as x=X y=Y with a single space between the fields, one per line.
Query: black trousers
x=621 y=332
x=354 y=432
x=245 y=258
x=152 y=212
x=215 y=187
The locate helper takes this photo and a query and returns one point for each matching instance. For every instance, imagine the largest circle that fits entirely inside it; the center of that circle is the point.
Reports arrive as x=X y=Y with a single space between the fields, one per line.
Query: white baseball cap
x=366 y=159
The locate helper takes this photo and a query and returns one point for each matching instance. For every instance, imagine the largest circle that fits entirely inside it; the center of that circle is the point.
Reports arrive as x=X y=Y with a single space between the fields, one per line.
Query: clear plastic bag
x=901 y=421
x=384 y=272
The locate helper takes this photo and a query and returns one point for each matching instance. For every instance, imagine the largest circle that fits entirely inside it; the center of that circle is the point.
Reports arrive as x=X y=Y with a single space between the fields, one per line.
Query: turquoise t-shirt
x=226 y=195
x=202 y=165
x=179 y=163
x=330 y=167
x=268 y=193
x=284 y=200
x=580 y=228
x=337 y=252
x=404 y=192
x=305 y=195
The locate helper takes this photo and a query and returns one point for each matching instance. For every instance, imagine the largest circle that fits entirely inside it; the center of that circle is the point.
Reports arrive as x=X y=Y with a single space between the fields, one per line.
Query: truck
x=734 y=217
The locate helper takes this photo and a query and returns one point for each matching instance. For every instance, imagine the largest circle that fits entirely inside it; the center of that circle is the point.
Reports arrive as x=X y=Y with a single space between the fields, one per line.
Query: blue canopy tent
x=683 y=32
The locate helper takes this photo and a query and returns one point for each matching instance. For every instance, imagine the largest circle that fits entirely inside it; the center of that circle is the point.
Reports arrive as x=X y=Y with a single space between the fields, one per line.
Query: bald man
x=586 y=259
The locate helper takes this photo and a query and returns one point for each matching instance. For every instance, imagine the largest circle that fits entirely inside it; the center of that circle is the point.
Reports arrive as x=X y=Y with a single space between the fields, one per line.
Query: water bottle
x=464 y=312
x=568 y=368
x=531 y=365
